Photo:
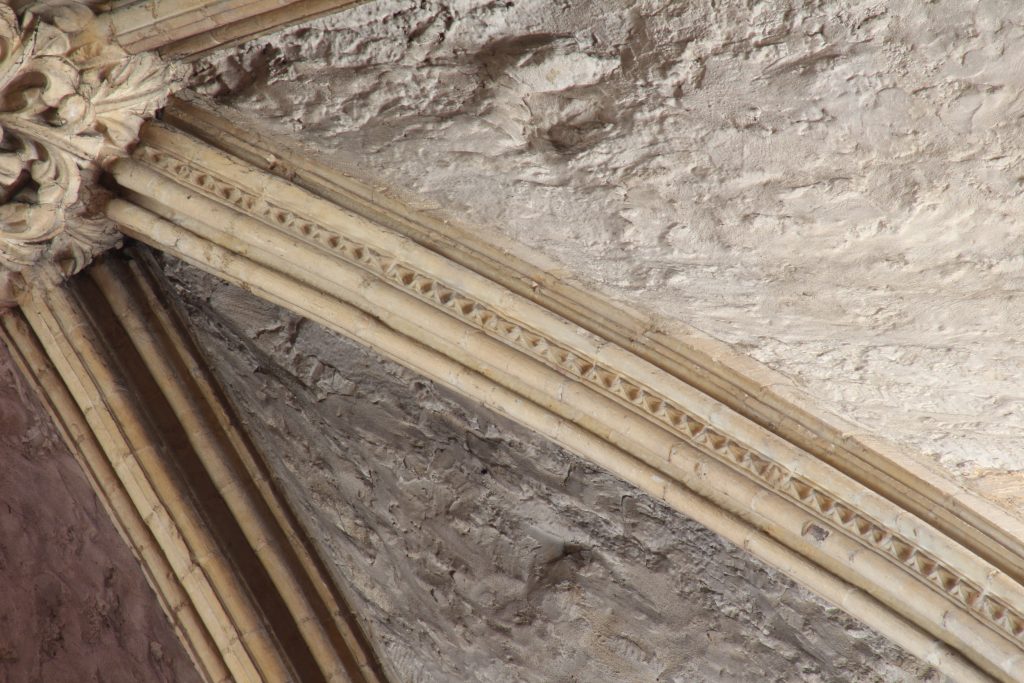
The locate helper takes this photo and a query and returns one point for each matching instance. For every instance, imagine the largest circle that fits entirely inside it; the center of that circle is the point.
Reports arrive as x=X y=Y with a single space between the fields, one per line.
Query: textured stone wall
x=74 y=604
x=834 y=187
x=477 y=551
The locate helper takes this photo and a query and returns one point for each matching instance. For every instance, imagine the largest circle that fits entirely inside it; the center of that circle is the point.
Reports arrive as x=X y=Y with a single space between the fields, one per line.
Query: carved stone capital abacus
x=71 y=102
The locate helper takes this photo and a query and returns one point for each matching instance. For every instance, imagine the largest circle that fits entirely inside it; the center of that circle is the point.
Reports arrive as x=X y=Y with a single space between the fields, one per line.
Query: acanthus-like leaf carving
x=70 y=103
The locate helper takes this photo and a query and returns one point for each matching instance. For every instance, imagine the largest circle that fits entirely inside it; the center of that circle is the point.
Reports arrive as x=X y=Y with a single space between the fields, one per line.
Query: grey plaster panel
x=478 y=551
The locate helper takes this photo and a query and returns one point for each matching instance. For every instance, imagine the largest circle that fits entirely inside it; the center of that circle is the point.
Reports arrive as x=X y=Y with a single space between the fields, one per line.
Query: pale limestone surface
x=476 y=551
x=833 y=187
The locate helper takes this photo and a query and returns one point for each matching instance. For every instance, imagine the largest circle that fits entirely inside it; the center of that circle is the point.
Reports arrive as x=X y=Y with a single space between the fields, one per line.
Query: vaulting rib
x=129 y=519
x=113 y=363
x=186 y=29
x=385 y=279
x=233 y=568
x=76 y=87
x=920 y=559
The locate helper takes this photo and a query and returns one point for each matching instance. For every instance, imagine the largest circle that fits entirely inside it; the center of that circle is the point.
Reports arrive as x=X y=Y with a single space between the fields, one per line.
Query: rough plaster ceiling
x=475 y=550
x=74 y=604
x=833 y=186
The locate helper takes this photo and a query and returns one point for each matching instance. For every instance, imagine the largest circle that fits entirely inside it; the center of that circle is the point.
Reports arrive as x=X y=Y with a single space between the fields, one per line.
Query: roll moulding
x=305 y=265
x=234 y=570
x=175 y=367
x=35 y=364
x=365 y=329
x=131 y=447
x=258 y=210
x=456 y=326
x=927 y=563
x=710 y=367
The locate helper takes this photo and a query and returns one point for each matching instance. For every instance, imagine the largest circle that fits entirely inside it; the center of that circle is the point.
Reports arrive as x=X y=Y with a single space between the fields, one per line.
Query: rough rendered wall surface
x=477 y=551
x=74 y=604
x=832 y=186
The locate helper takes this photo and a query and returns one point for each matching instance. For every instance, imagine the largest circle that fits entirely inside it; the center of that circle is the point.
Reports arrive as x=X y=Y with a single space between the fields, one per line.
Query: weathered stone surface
x=833 y=187
x=477 y=551
x=74 y=604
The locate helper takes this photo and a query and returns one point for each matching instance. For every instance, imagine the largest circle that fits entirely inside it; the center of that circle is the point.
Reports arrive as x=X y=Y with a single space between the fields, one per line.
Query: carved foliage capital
x=70 y=103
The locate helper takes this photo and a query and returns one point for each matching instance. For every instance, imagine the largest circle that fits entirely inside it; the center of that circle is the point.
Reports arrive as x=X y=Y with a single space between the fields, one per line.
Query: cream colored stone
x=188 y=28
x=329 y=262
x=77 y=102
x=124 y=432
x=174 y=599
x=234 y=469
x=139 y=425
x=907 y=551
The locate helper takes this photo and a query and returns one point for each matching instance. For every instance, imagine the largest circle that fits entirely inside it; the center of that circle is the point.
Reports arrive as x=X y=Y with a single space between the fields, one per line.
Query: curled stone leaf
x=70 y=103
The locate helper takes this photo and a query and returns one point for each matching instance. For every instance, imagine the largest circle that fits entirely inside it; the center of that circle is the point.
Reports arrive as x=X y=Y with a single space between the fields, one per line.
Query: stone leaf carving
x=70 y=103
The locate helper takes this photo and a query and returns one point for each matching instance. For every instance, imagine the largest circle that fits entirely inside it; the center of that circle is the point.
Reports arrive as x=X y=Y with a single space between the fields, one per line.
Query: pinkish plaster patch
x=74 y=604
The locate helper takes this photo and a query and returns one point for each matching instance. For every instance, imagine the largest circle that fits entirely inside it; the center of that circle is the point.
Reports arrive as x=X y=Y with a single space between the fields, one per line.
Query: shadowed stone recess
x=475 y=550
x=74 y=603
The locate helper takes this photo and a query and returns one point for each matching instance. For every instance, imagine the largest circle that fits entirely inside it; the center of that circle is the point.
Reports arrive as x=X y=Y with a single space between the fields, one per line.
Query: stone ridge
x=74 y=603
x=832 y=510
x=478 y=551
x=832 y=187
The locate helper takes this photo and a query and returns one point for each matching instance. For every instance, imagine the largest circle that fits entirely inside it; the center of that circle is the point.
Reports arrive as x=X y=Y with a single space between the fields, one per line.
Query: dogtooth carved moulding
x=832 y=511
